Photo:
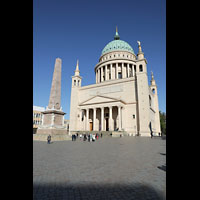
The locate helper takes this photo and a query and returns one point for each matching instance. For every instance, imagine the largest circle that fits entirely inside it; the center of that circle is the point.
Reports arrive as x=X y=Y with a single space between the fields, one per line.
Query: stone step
x=43 y=137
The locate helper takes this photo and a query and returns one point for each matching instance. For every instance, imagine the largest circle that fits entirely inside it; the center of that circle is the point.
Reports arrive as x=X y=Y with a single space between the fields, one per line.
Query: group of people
x=90 y=137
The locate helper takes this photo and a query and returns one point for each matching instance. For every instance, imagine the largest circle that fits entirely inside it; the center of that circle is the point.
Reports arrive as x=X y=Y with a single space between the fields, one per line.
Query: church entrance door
x=91 y=126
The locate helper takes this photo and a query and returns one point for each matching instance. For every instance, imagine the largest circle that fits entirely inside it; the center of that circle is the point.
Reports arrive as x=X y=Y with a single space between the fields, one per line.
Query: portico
x=101 y=118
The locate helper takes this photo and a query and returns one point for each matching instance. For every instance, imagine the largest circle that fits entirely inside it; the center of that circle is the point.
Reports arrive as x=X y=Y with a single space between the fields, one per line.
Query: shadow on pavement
x=163 y=167
x=164 y=154
x=96 y=192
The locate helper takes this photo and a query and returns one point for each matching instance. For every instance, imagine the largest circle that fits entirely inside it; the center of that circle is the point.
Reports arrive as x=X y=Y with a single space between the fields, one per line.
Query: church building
x=121 y=100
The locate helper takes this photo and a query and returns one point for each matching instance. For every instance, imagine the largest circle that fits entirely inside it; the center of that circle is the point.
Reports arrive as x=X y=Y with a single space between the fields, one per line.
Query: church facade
x=121 y=99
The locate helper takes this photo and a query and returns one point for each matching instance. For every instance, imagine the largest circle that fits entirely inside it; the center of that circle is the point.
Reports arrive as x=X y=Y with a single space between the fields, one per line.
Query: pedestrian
x=151 y=134
x=159 y=134
x=88 y=138
x=93 y=138
x=84 y=138
x=48 y=139
x=101 y=135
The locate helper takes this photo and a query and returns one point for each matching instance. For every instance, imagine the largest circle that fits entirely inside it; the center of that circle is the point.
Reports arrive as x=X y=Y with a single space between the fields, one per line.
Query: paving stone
x=110 y=168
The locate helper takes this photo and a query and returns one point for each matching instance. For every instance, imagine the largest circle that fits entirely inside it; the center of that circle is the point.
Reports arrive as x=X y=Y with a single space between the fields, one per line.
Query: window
x=153 y=90
x=149 y=100
x=135 y=68
x=140 y=68
x=74 y=82
x=78 y=82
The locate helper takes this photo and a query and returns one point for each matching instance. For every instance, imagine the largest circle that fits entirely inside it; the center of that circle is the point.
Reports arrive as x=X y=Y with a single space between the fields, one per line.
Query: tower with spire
x=153 y=88
x=76 y=85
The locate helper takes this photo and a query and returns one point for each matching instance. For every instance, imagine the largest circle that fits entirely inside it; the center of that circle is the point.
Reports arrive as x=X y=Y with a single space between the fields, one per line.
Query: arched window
x=153 y=90
x=140 y=68
x=74 y=82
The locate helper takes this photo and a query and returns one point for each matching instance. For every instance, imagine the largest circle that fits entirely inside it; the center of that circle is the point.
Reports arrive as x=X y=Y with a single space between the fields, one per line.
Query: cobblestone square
x=110 y=168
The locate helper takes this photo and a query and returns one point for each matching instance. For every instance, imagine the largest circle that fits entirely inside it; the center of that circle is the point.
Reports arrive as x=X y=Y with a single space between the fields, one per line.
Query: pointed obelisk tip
x=116 y=29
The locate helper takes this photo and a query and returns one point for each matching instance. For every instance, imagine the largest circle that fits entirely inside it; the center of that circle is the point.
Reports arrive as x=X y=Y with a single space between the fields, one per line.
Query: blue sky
x=80 y=29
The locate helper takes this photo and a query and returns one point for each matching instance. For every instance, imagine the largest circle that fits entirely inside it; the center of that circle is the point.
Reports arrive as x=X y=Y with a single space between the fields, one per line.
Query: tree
x=163 y=122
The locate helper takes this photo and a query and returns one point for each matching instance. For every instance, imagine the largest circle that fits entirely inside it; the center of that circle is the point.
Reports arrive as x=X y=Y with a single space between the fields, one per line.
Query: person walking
x=48 y=139
x=151 y=134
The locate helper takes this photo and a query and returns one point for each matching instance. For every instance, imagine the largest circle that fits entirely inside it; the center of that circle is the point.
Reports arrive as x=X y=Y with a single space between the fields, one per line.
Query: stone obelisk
x=53 y=116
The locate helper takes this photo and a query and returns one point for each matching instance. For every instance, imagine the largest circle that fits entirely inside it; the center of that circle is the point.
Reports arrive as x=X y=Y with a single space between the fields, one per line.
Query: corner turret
x=140 y=54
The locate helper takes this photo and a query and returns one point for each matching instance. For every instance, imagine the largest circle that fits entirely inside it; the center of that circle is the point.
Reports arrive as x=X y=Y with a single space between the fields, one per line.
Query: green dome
x=118 y=45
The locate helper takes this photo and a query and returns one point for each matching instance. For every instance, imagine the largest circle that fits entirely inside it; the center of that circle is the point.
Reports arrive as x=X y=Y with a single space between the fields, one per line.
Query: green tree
x=163 y=122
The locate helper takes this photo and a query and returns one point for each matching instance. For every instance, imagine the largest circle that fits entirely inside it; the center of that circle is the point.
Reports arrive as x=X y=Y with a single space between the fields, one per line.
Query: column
x=106 y=72
x=102 y=119
x=96 y=76
x=116 y=70
x=87 y=119
x=102 y=74
x=128 y=69
x=123 y=71
x=84 y=121
x=110 y=119
x=133 y=70
x=42 y=119
x=111 y=71
x=119 y=117
x=81 y=115
x=94 y=119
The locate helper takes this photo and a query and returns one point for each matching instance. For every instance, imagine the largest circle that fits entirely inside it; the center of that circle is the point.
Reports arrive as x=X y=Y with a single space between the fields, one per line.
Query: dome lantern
x=116 y=35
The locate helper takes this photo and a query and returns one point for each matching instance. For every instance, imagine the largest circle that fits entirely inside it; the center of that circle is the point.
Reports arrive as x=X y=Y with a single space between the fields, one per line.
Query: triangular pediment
x=99 y=99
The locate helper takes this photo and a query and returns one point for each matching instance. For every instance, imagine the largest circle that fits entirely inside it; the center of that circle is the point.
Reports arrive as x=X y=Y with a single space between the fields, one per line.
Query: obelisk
x=55 y=95
x=53 y=116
